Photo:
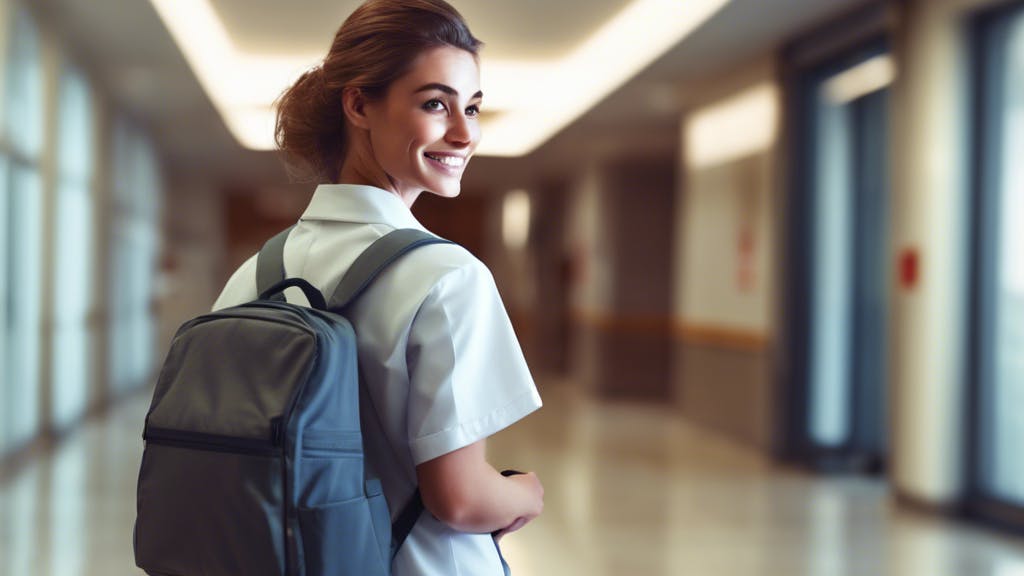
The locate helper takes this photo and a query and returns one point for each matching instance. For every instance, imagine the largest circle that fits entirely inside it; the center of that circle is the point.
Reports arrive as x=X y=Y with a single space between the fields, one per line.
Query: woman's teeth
x=453 y=161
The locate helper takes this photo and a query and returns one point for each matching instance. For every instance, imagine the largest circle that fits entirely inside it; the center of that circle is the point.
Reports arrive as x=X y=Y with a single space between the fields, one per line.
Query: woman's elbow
x=454 y=487
x=454 y=509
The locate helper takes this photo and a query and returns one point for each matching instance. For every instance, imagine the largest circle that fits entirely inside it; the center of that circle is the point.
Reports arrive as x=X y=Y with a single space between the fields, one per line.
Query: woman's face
x=423 y=132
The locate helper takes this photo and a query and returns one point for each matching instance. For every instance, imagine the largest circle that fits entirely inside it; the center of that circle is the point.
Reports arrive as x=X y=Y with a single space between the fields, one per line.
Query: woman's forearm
x=462 y=490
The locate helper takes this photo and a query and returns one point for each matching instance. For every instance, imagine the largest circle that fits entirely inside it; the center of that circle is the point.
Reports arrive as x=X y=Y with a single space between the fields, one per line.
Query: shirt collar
x=359 y=203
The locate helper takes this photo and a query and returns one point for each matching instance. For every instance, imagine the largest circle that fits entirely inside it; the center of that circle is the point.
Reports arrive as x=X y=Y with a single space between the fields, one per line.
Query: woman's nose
x=459 y=130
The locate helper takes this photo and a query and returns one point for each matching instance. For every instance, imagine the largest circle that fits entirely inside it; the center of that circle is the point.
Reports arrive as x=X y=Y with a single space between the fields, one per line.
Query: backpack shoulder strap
x=356 y=280
x=369 y=264
x=374 y=260
x=366 y=268
x=270 y=262
x=403 y=524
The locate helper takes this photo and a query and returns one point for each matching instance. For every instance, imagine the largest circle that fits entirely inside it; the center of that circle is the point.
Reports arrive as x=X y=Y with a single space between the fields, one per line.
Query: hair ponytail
x=372 y=48
x=310 y=128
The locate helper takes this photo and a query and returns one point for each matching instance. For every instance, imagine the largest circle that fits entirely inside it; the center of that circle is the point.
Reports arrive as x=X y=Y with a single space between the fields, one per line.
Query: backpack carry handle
x=315 y=298
x=270 y=275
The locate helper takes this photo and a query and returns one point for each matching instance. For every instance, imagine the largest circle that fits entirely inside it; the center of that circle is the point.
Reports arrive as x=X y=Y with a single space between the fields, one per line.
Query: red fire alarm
x=910 y=268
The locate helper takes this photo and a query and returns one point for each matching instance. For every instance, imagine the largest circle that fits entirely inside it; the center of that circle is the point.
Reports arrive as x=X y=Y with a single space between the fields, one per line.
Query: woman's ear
x=354 y=103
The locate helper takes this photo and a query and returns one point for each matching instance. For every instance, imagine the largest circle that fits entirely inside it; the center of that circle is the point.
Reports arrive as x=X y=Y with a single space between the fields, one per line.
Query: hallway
x=631 y=490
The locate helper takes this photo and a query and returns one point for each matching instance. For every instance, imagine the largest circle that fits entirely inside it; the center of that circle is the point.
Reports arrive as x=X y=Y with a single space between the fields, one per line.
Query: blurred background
x=765 y=259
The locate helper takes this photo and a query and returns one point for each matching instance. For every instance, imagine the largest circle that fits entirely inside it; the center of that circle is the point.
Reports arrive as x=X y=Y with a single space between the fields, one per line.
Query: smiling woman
x=424 y=49
x=391 y=113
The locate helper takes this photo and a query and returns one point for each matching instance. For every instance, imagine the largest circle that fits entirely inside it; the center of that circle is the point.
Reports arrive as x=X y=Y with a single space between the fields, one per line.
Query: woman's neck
x=357 y=169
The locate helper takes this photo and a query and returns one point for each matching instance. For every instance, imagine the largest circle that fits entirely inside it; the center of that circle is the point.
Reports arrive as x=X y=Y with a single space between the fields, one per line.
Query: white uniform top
x=436 y=350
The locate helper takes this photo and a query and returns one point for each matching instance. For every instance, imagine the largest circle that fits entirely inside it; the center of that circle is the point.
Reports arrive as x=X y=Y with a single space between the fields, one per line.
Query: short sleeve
x=467 y=375
x=241 y=287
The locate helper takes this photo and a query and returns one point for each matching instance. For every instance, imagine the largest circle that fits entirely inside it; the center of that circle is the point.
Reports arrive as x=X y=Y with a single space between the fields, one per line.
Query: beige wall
x=590 y=247
x=620 y=235
x=194 y=256
x=931 y=201
x=552 y=267
x=724 y=281
x=718 y=204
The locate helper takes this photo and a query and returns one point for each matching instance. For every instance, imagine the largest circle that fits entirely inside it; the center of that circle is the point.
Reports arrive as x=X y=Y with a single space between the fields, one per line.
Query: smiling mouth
x=446 y=160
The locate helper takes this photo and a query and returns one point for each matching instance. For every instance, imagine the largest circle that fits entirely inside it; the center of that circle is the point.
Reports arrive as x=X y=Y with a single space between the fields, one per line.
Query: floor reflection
x=19 y=524
x=631 y=491
x=70 y=512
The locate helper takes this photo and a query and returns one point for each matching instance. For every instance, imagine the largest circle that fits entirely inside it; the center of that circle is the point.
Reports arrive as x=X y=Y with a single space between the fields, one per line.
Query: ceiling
x=133 y=58
x=523 y=29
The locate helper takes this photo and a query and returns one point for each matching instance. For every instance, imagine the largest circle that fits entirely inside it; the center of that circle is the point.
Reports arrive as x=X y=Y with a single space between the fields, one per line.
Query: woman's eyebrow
x=446 y=89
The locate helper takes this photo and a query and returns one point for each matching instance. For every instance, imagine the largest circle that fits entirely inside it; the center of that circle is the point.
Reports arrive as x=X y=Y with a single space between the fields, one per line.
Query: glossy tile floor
x=631 y=491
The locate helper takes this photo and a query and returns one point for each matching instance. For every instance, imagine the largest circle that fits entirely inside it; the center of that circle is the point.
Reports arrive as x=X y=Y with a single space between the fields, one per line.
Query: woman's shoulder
x=442 y=272
x=447 y=268
x=447 y=257
x=450 y=264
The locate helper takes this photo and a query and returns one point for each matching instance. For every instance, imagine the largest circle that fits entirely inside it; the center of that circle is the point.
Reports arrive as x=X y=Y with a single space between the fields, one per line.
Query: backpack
x=253 y=462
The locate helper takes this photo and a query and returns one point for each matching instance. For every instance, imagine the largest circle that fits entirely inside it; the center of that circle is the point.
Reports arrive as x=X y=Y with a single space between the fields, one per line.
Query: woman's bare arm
x=462 y=490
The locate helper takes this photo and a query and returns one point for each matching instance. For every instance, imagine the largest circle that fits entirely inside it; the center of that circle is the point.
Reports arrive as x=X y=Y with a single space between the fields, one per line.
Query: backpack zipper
x=215 y=442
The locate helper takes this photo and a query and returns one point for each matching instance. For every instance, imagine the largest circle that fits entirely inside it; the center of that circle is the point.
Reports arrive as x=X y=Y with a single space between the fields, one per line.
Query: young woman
x=392 y=113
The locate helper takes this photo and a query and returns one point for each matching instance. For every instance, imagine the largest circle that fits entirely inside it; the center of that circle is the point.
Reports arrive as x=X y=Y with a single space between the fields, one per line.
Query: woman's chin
x=448 y=191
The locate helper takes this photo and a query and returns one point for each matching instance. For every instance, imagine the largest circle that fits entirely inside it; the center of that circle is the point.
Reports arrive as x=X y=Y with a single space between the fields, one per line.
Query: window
x=20 y=234
x=73 y=264
x=998 y=355
x=833 y=233
x=1008 y=325
x=6 y=323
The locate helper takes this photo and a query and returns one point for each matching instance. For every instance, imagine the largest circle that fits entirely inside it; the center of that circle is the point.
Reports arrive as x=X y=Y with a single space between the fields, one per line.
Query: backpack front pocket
x=350 y=538
x=210 y=506
x=331 y=468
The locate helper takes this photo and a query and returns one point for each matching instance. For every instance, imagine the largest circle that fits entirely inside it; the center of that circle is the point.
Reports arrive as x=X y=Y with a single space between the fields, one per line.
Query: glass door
x=998 y=335
x=839 y=294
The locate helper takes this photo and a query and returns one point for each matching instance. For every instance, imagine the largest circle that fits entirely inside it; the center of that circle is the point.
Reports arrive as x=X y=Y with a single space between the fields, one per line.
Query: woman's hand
x=532 y=485
x=519 y=523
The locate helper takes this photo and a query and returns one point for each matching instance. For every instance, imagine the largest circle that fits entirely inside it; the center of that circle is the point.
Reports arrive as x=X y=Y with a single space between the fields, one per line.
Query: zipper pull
x=276 y=430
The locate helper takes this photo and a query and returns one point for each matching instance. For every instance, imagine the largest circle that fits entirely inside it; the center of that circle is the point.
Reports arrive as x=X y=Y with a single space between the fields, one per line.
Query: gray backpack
x=253 y=462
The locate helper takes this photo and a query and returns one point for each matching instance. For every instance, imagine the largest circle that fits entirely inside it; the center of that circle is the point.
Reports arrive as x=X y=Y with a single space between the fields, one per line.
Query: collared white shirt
x=436 y=350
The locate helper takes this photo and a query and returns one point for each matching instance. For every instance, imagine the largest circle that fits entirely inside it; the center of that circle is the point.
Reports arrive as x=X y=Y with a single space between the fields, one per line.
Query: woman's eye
x=434 y=105
x=473 y=111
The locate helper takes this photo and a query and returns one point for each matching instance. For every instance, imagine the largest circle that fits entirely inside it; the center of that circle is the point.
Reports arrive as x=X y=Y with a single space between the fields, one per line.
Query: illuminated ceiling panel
x=529 y=100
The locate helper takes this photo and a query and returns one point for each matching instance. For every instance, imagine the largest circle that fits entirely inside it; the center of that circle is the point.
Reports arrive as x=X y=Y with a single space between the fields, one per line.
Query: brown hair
x=373 y=48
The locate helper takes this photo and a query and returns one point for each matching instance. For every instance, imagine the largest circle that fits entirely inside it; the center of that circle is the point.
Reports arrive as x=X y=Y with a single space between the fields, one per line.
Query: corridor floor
x=630 y=491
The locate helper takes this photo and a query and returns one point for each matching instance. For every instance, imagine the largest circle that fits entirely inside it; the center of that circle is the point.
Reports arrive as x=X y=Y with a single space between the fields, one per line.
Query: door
x=838 y=281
